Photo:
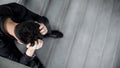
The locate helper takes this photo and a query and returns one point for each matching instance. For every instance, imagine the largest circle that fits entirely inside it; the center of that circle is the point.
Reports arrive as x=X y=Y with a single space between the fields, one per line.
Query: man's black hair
x=28 y=32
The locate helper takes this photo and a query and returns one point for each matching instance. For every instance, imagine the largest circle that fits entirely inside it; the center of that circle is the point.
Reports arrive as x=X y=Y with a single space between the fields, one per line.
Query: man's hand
x=43 y=29
x=38 y=44
x=31 y=49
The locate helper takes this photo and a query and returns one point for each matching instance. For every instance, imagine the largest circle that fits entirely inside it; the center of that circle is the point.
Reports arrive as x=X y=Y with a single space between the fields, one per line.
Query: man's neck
x=9 y=26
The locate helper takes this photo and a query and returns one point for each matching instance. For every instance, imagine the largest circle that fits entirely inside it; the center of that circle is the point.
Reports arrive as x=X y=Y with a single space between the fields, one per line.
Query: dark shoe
x=55 y=34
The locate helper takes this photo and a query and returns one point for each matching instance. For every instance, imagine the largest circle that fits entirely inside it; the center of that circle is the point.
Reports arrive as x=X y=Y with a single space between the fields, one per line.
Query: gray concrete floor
x=91 y=33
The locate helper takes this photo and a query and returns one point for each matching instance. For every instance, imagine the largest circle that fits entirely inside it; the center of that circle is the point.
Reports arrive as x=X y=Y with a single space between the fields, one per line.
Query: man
x=20 y=24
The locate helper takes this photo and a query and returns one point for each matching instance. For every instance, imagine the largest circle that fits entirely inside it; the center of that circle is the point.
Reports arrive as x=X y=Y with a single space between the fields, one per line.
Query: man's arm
x=19 y=12
x=30 y=52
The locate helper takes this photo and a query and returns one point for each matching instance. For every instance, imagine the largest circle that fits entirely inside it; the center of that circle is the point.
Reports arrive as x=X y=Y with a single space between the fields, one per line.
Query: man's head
x=28 y=32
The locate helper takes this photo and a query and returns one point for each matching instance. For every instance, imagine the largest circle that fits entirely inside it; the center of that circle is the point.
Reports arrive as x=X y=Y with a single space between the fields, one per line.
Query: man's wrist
x=30 y=52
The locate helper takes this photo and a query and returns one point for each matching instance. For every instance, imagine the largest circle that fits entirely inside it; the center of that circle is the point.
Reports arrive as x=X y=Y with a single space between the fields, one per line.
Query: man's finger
x=43 y=30
x=40 y=44
x=41 y=27
x=28 y=45
x=35 y=43
x=43 y=33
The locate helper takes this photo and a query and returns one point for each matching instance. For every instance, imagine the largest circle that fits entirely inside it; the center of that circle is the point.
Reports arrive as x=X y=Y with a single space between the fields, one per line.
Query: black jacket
x=17 y=13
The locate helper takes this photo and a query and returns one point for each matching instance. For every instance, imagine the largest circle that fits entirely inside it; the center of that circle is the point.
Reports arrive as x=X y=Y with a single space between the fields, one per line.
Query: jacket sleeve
x=26 y=59
x=19 y=12
x=5 y=11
